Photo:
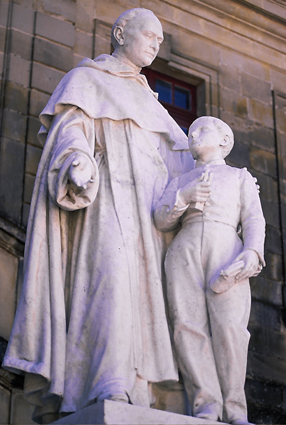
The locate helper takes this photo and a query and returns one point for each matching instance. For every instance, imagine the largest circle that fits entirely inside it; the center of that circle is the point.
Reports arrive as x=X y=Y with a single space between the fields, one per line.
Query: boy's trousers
x=209 y=330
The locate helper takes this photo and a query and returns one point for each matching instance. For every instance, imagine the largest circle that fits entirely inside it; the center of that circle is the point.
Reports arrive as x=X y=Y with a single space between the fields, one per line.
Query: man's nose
x=155 y=44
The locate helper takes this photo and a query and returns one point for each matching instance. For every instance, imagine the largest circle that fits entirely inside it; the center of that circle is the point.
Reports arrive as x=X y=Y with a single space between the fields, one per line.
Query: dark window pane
x=165 y=90
x=182 y=97
x=185 y=130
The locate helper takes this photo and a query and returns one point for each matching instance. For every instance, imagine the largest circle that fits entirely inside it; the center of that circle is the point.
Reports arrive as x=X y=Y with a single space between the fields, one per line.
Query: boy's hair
x=122 y=20
x=223 y=129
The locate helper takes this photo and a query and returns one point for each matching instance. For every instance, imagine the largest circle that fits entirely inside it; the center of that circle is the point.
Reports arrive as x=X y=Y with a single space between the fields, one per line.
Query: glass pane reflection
x=165 y=90
x=182 y=97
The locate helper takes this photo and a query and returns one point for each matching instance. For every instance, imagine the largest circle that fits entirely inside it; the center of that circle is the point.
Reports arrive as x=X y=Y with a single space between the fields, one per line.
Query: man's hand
x=251 y=263
x=197 y=191
x=80 y=172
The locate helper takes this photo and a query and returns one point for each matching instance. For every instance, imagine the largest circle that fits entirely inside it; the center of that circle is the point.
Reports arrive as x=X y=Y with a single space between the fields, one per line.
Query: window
x=178 y=97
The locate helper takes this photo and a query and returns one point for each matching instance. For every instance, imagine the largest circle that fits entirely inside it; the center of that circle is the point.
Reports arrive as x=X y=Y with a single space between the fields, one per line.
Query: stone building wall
x=234 y=51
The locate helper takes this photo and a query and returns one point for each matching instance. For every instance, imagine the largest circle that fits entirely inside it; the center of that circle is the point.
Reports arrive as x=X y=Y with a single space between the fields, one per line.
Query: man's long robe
x=91 y=316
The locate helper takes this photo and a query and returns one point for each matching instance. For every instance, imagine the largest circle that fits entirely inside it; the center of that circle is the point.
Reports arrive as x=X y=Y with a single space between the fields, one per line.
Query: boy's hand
x=251 y=263
x=197 y=191
x=80 y=172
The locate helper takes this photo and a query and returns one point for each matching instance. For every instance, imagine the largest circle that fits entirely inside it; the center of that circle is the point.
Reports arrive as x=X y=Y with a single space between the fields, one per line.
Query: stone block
x=102 y=40
x=239 y=155
x=271 y=212
x=273 y=241
x=19 y=70
x=232 y=102
x=64 y=8
x=14 y=125
x=265 y=315
x=4 y=406
x=21 y=44
x=230 y=80
x=267 y=341
x=256 y=88
x=266 y=290
x=8 y=291
x=83 y=44
x=2 y=38
x=281 y=117
x=3 y=13
x=260 y=112
x=281 y=138
x=33 y=128
x=11 y=172
x=55 y=29
x=268 y=187
x=264 y=394
x=85 y=13
x=45 y=78
x=77 y=59
x=33 y=155
x=21 y=410
x=53 y=54
x=266 y=368
x=274 y=266
x=28 y=188
x=16 y=97
x=263 y=161
x=25 y=214
x=111 y=412
x=23 y=18
x=38 y=101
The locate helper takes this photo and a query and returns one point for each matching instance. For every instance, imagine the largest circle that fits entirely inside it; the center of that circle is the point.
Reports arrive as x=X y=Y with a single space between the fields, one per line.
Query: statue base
x=111 y=412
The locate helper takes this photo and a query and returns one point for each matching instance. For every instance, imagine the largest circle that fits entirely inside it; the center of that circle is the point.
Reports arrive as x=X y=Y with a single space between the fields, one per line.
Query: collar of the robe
x=206 y=164
x=107 y=88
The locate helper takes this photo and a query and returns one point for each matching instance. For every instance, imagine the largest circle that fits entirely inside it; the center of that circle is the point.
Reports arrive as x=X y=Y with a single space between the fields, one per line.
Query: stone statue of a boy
x=208 y=268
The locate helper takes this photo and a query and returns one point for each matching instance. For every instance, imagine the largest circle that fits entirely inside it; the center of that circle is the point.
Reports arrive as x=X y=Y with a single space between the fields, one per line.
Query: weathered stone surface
x=16 y=97
x=25 y=214
x=45 y=78
x=14 y=125
x=85 y=13
x=266 y=315
x=83 y=44
x=266 y=290
x=234 y=103
x=21 y=44
x=273 y=241
x=263 y=161
x=17 y=63
x=110 y=412
x=268 y=188
x=38 y=101
x=52 y=54
x=260 y=112
x=55 y=29
x=256 y=88
x=274 y=266
x=11 y=171
x=267 y=368
x=33 y=156
x=23 y=18
x=271 y=212
x=2 y=37
x=28 y=188
x=239 y=156
x=8 y=291
x=4 y=405
x=33 y=128
x=21 y=410
x=267 y=341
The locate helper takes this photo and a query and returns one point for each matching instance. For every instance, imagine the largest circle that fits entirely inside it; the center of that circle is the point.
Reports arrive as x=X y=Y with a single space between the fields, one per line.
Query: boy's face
x=205 y=141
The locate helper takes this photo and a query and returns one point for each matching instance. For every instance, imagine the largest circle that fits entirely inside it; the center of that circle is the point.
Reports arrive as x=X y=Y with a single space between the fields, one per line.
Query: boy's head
x=210 y=138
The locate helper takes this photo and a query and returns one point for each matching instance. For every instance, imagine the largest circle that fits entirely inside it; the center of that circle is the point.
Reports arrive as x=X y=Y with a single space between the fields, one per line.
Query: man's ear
x=225 y=141
x=118 y=35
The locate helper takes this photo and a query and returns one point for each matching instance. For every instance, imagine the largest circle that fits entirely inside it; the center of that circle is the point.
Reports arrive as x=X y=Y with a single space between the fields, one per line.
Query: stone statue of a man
x=91 y=323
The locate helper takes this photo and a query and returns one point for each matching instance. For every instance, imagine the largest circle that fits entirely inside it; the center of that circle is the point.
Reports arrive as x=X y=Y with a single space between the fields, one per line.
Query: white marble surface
x=209 y=328
x=91 y=321
x=112 y=413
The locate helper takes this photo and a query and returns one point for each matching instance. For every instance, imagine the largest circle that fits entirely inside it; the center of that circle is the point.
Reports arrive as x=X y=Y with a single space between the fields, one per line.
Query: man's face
x=142 y=38
x=205 y=140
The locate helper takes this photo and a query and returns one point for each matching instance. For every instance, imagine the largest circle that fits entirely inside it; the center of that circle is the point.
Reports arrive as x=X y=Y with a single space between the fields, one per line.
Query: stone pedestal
x=111 y=412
